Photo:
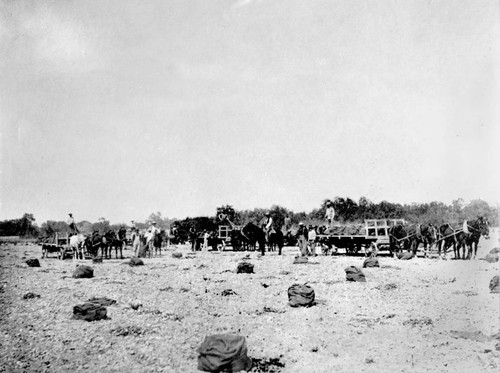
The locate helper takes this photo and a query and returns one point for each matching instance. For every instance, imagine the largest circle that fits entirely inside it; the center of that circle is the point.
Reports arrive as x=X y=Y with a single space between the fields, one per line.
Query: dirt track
x=405 y=318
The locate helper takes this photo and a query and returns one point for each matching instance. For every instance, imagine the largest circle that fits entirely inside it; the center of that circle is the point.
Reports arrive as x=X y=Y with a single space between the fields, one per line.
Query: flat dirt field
x=421 y=315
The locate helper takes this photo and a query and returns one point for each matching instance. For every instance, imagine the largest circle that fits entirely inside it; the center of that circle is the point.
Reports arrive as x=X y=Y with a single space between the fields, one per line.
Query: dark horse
x=95 y=242
x=113 y=242
x=398 y=239
x=476 y=228
x=447 y=237
x=425 y=234
x=253 y=235
x=276 y=239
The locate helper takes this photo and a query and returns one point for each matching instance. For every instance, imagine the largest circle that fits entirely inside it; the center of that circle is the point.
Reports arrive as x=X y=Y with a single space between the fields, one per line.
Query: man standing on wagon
x=330 y=213
x=72 y=224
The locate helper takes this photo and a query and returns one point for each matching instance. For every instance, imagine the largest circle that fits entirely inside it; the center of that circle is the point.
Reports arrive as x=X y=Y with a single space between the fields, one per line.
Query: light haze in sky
x=119 y=109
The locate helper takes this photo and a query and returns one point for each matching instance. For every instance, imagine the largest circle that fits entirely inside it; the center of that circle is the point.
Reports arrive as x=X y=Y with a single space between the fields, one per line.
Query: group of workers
x=306 y=236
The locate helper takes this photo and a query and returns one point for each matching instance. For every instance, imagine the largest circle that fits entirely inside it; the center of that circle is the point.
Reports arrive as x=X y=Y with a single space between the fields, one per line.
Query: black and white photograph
x=257 y=186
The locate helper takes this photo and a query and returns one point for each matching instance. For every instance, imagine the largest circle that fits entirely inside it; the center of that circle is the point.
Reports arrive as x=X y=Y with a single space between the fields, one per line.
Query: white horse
x=76 y=244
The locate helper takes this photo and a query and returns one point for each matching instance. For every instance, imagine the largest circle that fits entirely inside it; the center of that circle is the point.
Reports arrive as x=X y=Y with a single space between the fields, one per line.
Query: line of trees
x=347 y=211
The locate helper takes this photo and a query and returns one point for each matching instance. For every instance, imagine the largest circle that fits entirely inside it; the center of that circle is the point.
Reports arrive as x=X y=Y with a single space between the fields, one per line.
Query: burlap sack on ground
x=135 y=262
x=33 y=262
x=89 y=312
x=223 y=352
x=370 y=263
x=83 y=272
x=495 y=284
x=244 y=267
x=491 y=258
x=353 y=273
x=301 y=295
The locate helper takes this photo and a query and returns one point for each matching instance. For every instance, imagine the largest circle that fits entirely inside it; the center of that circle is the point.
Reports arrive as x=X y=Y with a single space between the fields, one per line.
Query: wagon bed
x=375 y=232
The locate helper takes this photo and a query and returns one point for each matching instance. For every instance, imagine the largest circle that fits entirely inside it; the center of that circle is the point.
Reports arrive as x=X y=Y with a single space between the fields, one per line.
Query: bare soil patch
x=409 y=316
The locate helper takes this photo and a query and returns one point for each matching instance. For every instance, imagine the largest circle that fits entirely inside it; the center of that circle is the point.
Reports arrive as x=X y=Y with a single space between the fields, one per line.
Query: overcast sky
x=118 y=109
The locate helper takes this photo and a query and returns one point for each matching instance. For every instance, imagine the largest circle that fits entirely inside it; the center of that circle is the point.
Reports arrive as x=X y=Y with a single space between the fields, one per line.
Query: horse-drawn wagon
x=373 y=233
x=58 y=244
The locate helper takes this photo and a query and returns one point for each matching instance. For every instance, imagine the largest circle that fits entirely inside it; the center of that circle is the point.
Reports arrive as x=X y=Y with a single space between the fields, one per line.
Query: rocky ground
x=422 y=315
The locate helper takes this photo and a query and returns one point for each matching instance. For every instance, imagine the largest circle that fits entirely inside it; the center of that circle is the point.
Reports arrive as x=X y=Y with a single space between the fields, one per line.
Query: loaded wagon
x=59 y=244
x=373 y=233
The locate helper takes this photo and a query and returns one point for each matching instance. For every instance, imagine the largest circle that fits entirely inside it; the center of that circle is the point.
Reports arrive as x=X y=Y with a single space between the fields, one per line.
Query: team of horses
x=465 y=239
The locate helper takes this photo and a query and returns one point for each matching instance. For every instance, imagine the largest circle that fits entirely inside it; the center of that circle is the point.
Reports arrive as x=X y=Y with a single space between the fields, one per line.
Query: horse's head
x=483 y=226
x=429 y=232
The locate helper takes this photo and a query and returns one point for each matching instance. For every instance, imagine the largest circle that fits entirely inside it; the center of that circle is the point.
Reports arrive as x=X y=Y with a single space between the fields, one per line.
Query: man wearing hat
x=72 y=225
x=268 y=223
x=302 y=239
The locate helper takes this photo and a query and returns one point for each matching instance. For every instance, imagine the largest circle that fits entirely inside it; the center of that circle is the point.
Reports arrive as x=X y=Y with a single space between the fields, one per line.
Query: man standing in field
x=302 y=239
x=72 y=224
x=311 y=238
x=330 y=213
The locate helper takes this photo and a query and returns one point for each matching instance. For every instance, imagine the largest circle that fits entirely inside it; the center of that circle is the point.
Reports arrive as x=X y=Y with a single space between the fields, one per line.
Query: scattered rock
x=30 y=296
x=301 y=295
x=135 y=262
x=135 y=305
x=177 y=255
x=354 y=274
x=271 y=365
x=370 y=263
x=495 y=284
x=227 y=292
x=223 y=352
x=244 y=267
x=33 y=262
x=83 y=272
x=89 y=312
